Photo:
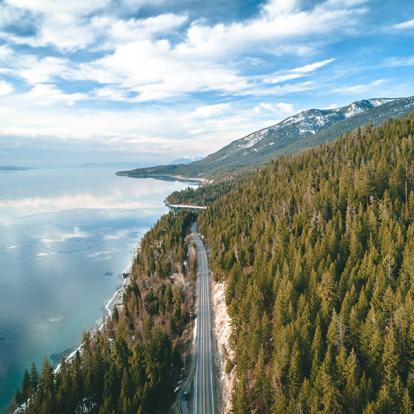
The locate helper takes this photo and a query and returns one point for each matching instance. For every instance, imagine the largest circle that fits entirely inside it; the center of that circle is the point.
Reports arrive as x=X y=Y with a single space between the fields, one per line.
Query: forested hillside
x=317 y=251
x=203 y=195
x=133 y=364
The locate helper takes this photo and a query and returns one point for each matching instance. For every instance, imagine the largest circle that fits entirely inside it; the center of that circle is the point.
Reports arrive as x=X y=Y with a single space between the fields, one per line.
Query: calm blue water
x=65 y=237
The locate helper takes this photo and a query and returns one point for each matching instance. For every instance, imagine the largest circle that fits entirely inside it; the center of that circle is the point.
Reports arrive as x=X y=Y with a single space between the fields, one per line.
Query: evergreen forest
x=317 y=252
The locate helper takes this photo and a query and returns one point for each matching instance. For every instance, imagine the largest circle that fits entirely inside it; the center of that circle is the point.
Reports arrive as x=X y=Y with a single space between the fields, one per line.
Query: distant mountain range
x=303 y=130
x=188 y=159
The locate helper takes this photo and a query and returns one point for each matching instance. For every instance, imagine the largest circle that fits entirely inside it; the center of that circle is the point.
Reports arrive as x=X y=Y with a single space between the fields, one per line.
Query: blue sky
x=151 y=81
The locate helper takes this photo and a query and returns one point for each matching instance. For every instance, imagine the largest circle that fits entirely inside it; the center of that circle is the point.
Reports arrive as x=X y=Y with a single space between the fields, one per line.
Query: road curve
x=203 y=386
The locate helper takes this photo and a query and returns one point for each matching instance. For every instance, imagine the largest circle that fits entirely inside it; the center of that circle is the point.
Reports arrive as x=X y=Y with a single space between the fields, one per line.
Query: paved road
x=203 y=395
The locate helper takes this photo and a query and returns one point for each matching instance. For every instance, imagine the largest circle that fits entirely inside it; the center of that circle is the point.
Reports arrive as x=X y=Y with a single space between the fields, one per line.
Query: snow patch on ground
x=222 y=330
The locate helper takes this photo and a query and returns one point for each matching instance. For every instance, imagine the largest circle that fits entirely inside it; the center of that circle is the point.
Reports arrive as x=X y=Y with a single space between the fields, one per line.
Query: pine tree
x=34 y=377
x=26 y=387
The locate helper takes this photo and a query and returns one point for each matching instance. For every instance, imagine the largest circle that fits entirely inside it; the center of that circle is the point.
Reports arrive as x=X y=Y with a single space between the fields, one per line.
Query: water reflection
x=65 y=236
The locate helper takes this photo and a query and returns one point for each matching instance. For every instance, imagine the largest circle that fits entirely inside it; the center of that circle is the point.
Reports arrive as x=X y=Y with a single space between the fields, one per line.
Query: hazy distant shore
x=13 y=168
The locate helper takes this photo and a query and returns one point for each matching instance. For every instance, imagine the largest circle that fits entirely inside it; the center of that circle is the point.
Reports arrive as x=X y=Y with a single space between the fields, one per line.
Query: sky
x=152 y=81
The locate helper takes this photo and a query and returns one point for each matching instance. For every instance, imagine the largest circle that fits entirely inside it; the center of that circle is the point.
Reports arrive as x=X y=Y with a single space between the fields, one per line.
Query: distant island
x=9 y=168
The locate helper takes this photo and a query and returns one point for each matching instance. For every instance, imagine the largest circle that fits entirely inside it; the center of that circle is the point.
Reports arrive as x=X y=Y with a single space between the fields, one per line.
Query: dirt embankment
x=222 y=330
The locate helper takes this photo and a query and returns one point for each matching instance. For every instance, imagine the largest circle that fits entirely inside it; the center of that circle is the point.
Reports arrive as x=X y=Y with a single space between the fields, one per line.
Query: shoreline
x=168 y=177
x=114 y=300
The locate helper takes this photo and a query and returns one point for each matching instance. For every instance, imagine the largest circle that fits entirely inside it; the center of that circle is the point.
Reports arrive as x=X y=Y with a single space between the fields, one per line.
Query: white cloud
x=5 y=88
x=111 y=93
x=5 y=52
x=360 y=88
x=9 y=15
x=283 y=77
x=311 y=67
x=46 y=94
x=405 y=61
x=278 y=108
x=408 y=24
x=119 y=31
x=40 y=73
x=207 y=111
x=77 y=24
x=34 y=70
x=59 y=7
x=279 y=22
x=142 y=61
x=64 y=24
x=158 y=69
x=298 y=72
x=154 y=70
x=280 y=90
x=167 y=74
x=159 y=133
x=280 y=7
x=291 y=49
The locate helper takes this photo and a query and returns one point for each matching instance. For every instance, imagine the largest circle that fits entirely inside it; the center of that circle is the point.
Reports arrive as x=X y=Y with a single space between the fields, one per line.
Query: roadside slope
x=224 y=355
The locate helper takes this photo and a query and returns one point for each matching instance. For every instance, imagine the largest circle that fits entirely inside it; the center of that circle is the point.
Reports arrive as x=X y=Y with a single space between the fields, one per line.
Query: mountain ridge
x=305 y=129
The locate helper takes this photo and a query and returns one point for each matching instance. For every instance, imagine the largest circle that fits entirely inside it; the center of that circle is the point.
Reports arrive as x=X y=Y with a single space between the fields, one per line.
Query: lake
x=65 y=237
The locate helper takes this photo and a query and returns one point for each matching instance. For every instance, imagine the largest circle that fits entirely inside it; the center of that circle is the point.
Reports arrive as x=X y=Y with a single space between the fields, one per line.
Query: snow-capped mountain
x=303 y=130
x=304 y=123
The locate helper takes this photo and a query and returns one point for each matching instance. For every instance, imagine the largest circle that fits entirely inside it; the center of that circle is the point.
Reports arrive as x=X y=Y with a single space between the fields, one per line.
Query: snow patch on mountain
x=252 y=139
x=354 y=109
x=307 y=122
x=294 y=119
x=381 y=101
